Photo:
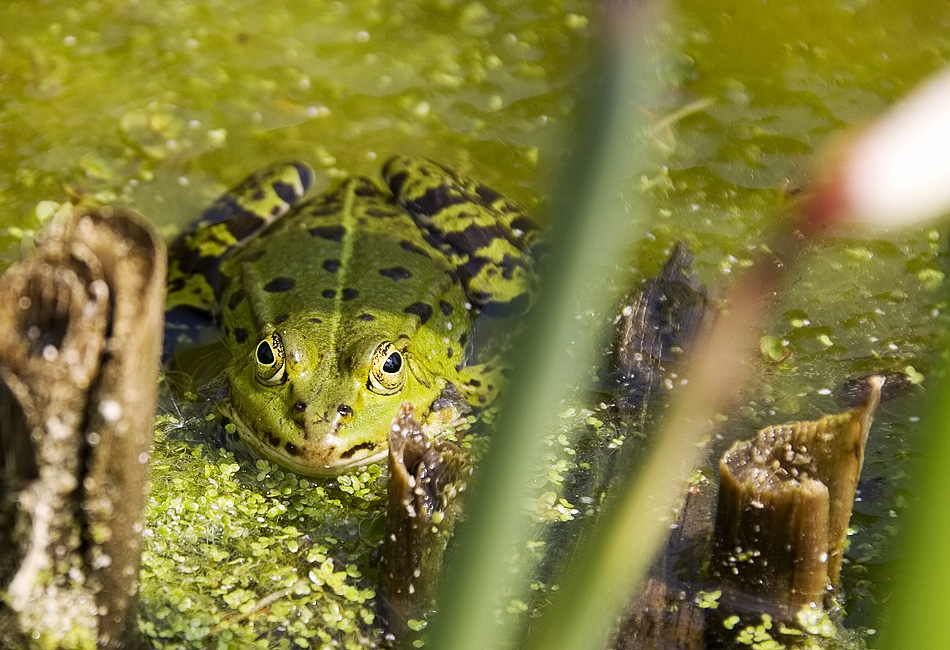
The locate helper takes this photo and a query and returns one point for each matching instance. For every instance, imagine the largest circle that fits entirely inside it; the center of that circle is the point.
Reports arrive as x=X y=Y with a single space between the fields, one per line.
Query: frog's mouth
x=298 y=461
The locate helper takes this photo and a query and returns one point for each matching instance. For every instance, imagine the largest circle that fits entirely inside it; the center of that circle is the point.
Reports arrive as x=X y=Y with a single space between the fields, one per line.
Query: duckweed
x=267 y=556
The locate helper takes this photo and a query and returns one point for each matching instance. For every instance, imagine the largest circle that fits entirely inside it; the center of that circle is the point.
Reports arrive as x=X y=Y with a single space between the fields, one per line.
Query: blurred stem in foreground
x=918 y=614
x=593 y=222
x=626 y=538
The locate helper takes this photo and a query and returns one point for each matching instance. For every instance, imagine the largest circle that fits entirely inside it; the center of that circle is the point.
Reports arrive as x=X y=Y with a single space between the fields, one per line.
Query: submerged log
x=426 y=480
x=80 y=332
x=782 y=518
x=657 y=325
x=666 y=613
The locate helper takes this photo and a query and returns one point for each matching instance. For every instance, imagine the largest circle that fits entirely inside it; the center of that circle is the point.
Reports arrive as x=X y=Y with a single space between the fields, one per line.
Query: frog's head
x=318 y=410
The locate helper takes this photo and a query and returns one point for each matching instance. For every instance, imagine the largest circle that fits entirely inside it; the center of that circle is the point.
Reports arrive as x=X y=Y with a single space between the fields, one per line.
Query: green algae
x=161 y=105
x=241 y=554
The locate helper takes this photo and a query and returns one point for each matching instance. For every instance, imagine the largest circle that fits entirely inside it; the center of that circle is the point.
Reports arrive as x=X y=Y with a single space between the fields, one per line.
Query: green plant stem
x=592 y=226
x=918 y=613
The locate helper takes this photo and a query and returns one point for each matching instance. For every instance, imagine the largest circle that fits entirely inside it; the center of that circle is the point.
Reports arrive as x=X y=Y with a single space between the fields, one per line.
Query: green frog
x=337 y=309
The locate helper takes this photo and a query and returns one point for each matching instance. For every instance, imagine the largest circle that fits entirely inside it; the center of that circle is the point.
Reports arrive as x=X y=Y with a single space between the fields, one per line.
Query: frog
x=337 y=309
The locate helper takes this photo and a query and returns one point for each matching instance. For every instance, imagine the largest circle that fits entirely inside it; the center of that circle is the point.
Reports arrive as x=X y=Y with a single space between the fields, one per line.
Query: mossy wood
x=80 y=328
x=426 y=480
x=656 y=327
x=784 y=505
x=666 y=613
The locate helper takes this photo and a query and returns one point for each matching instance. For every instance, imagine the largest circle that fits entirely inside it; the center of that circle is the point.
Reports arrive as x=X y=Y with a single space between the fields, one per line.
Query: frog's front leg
x=480 y=383
x=487 y=237
x=477 y=387
x=194 y=284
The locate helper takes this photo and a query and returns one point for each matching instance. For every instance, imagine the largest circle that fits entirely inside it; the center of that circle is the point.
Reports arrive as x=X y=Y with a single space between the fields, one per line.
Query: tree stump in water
x=424 y=500
x=80 y=333
x=785 y=500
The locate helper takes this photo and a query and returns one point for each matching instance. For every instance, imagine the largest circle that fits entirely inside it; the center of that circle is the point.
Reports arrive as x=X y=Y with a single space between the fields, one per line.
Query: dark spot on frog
x=285 y=191
x=449 y=352
x=323 y=210
x=349 y=293
x=299 y=407
x=332 y=266
x=368 y=446
x=345 y=410
x=396 y=273
x=175 y=285
x=437 y=199
x=292 y=449
x=421 y=309
x=330 y=233
x=240 y=222
x=366 y=317
x=395 y=181
x=270 y=439
x=315 y=320
x=258 y=194
x=236 y=299
x=474 y=383
x=328 y=293
x=274 y=211
x=463 y=338
x=517 y=305
x=306 y=175
x=445 y=307
x=487 y=194
x=364 y=187
x=413 y=248
x=281 y=318
x=277 y=285
x=473 y=238
x=240 y=334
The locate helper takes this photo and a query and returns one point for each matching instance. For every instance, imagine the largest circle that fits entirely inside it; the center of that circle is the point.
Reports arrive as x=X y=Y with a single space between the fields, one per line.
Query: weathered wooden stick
x=425 y=484
x=784 y=504
x=80 y=332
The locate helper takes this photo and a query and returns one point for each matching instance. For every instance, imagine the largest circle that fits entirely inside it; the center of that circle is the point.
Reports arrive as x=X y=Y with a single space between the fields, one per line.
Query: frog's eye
x=270 y=360
x=388 y=372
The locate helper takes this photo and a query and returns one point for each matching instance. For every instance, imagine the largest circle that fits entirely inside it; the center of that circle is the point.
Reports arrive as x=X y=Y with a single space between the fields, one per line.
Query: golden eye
x=270 y=360
x=388 y=370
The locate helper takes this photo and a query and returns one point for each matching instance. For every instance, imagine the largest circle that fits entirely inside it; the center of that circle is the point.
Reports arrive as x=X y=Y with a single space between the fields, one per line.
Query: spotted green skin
x=330 y=282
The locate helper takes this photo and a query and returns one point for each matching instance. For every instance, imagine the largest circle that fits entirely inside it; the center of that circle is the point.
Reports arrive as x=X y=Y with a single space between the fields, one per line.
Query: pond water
x=163 y=105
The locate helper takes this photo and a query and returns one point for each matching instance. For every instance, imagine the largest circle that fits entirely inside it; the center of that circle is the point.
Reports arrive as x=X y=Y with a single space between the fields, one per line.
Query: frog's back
x=346 y=261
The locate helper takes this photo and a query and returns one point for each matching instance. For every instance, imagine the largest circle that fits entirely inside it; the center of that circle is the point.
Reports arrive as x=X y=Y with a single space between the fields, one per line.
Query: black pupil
x=265 y=355
x=393 y=363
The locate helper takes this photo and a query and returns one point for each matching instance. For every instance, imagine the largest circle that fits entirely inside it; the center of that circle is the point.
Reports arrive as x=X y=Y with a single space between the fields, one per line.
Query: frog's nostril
x=344 y=410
